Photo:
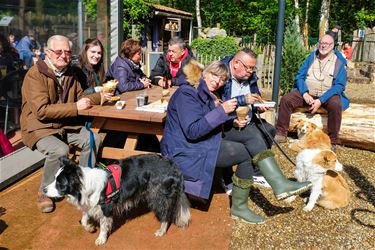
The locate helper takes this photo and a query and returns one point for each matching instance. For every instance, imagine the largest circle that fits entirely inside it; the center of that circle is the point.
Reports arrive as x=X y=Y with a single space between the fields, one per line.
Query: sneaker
x=45 y=204
x=228 y=188
x=280 y=138
x=261 y=181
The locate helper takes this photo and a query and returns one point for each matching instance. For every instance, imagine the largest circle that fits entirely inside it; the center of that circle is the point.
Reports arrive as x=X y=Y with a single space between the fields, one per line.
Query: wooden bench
x=357 y=126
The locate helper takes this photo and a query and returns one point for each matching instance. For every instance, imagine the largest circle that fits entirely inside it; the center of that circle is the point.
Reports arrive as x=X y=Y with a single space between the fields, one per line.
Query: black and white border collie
x=150 y=178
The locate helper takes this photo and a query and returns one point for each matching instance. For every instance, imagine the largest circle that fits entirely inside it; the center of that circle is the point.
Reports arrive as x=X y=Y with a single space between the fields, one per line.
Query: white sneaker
x=228 y=189
x=261 y=181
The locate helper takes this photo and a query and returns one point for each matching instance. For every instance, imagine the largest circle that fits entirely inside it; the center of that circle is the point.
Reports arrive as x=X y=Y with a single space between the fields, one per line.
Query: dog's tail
x=183 y=215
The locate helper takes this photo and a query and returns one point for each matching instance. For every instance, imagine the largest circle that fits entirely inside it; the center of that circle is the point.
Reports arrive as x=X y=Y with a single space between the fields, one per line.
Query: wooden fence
x=265 y=63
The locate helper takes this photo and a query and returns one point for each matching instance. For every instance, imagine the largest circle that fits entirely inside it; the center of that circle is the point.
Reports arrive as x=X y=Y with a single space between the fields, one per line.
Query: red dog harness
x=113 y=185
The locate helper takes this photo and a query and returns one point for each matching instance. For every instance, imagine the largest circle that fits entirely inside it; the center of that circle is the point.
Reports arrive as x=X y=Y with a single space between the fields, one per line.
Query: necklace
x=321 y=68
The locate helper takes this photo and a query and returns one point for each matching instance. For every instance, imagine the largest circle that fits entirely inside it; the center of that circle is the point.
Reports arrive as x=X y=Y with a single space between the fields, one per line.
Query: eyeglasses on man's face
x=325 y=44
x=249 y=69
x=59 y=52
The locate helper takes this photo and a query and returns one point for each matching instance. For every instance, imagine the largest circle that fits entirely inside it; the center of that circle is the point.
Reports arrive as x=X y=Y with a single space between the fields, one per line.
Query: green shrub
x=294 y=53
x=208 y=50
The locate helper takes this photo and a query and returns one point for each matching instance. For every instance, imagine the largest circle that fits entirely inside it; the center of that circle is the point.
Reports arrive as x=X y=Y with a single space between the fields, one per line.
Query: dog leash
x=271 y=137
x=88 y=127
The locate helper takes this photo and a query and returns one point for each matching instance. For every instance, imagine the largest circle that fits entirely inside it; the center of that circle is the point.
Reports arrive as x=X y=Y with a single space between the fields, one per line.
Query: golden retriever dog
x=309 y=136
x=329 y=189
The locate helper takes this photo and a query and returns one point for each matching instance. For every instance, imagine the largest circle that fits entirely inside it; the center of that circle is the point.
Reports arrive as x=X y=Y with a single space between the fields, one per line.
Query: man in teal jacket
x=320 y=82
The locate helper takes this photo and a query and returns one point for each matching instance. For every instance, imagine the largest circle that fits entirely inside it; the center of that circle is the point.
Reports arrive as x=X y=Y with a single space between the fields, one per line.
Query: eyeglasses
x=59 y=52
x=325 y=44
x=248 y=68
x=217 y=78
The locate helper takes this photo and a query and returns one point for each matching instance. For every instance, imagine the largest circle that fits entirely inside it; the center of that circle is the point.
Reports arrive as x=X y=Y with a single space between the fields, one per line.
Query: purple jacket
x=192 y=136
x=127 y=73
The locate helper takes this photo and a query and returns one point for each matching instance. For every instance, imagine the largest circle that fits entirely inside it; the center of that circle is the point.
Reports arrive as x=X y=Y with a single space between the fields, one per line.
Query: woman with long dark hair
x=91 y=63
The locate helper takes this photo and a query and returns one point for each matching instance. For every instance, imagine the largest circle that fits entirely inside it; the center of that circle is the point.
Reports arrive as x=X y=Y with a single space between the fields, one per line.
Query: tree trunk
x=296 y=18
x=357 y=126
x=306 y=25
x=199 y=20
x=21 y=15
x=324 y=16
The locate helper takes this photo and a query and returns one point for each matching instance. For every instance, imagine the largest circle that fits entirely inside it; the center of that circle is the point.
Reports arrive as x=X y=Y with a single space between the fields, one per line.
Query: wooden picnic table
x=129 y=120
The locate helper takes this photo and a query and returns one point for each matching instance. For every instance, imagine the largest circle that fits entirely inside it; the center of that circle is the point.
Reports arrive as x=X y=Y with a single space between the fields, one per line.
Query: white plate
x=120 y=104
x=265 y=104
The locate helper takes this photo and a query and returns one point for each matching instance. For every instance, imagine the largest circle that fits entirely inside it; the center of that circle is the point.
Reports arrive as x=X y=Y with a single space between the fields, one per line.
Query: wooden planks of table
x=128 y=119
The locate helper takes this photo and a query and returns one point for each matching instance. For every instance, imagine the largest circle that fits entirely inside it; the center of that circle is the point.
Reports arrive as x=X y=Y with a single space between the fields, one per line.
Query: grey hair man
x=51 y=99
x=169 y=66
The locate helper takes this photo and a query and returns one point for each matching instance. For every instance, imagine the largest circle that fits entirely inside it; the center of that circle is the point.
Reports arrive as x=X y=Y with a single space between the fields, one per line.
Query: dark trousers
x=293 y=100
x=238 y=147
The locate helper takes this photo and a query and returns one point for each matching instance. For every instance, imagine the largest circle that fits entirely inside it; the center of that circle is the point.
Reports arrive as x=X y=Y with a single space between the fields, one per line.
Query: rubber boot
x=240 y=196
x=281 y=186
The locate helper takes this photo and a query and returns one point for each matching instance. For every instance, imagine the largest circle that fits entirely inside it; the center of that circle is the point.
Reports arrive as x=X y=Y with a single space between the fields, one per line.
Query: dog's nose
x=44 y=190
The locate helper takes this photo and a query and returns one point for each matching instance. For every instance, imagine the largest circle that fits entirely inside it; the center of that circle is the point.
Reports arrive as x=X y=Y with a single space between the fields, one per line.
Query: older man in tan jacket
x=51 y=99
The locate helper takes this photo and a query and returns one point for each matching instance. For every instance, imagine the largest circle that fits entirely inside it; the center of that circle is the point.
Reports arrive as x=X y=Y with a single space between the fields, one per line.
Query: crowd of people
x=202 y=130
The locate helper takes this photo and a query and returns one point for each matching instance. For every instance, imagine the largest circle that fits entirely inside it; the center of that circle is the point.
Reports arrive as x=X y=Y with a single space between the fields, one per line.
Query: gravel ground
x=289 y=227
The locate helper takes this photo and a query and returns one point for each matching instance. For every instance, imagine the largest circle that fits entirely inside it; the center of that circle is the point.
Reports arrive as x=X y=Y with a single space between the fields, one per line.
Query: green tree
x=294 y=54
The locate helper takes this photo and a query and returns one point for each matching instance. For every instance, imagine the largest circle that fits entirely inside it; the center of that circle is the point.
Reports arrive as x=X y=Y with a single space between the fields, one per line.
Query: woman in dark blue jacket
x=127 y=68
x=193 y=140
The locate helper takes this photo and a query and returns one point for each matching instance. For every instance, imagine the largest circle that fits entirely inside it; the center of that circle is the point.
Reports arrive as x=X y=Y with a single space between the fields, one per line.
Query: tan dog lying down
x=309 y=136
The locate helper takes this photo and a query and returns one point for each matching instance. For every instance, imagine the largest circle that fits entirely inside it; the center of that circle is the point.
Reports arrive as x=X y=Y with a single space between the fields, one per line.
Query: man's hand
x=83 y=103
x=230 y=105
x=308 y=98
x=262 y=109
x=165 y=84
x=315 y=105
x=250 y=99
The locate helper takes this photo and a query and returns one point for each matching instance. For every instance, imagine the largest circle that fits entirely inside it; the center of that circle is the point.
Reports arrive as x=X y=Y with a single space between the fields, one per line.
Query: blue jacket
x=25 y=44
x=128 y=75
x=192 y=136
x=339 y=79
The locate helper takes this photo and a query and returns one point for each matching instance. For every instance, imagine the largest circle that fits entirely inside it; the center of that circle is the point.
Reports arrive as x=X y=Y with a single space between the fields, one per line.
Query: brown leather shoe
x=45 y=204
x=280 y=138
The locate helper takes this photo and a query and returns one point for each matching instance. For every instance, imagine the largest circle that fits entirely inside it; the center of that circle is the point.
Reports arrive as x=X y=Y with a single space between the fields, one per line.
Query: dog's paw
x=160 y=232
x=308 y=208
x=90 y=228
x=291 y=199
x=100 y=241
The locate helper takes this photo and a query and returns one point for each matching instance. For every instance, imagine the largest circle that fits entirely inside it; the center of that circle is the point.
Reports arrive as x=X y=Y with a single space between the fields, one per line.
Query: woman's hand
x=240 y=123
x=146 y=82
x=230 y=105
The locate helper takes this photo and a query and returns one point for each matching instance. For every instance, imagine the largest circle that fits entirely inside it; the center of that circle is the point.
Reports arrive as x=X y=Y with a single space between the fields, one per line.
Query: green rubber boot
x=281 y=186
x=240 y=196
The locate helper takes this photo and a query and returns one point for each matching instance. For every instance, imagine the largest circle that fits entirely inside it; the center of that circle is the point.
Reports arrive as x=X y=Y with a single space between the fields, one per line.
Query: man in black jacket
x=169 y=66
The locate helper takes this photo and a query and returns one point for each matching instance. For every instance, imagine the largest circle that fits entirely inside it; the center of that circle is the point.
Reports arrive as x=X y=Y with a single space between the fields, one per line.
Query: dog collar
x=113 y=184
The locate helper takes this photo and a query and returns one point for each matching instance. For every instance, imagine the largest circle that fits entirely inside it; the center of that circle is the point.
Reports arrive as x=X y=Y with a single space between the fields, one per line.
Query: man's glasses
x=325 y=44
x=59 y=52
x=248 y=68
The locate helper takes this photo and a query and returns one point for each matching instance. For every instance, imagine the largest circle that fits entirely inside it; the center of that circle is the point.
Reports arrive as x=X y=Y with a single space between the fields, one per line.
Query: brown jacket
x=44 y=110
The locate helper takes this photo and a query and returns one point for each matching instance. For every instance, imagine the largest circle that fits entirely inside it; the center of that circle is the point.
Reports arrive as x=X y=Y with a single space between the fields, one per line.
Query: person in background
x=25 y=49
x=193 y=140
x=169 y=66
x=92 y=65
x=348 y=51
x=51 y=99
x=127 y=68
x=242 y=85
x=335 y=32
x=320 y=82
